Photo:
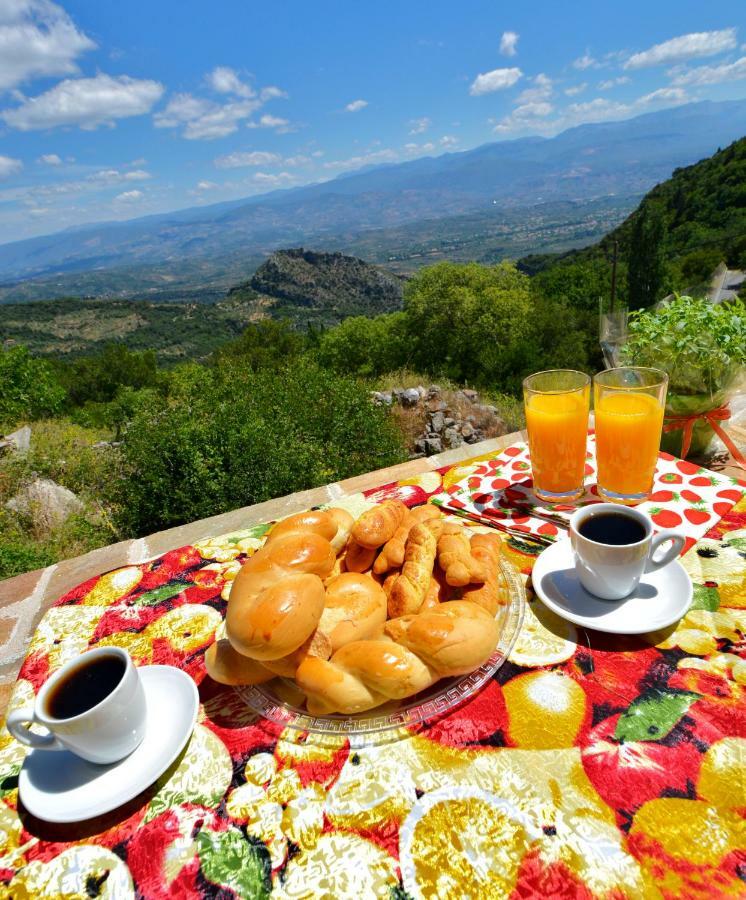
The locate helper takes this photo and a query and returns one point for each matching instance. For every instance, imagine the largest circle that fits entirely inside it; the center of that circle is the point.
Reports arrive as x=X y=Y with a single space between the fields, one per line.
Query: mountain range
x=213 y=246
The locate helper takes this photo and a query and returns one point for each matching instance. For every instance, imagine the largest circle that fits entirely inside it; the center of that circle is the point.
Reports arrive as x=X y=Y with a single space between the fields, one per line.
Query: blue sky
x=116 y=110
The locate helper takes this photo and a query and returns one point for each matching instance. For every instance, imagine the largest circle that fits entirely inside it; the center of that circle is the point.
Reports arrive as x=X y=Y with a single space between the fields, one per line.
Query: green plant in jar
x=702 y=347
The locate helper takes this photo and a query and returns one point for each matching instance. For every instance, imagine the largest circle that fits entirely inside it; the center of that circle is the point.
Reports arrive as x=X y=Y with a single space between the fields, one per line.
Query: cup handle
x=17 y=724
x=677 y=545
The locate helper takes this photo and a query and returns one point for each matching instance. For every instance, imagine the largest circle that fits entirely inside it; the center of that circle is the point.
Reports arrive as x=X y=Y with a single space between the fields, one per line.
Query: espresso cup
x=104 y=733
x=613 y=571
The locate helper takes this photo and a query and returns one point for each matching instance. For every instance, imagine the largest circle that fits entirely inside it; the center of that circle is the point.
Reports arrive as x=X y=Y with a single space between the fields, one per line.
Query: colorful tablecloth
x=499 y=492
x=590 y=766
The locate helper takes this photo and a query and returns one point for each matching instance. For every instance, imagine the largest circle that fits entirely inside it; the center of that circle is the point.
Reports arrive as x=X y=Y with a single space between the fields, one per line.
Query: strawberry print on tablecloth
x=499 y=492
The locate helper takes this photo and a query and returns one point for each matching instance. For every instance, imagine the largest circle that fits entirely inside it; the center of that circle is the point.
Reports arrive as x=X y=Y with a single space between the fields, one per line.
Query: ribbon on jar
x=686 y=424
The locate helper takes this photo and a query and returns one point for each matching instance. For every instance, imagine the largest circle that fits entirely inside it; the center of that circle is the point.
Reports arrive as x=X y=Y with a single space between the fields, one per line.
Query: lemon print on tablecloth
x=65 y=632
x=545 y=710
x=339 y=865
x=463 y=842
x=722 y=775
x=682 y=844
x=186 y=627
x=113 y=586
x=544 y=639
x=72 y=874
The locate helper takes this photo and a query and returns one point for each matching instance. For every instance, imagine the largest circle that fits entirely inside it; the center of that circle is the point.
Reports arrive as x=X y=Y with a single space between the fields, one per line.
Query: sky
x=110 y=111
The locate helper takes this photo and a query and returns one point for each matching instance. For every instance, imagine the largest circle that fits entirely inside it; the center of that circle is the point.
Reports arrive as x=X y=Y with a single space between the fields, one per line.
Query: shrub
x=30 y=388
x=225 y=437
x=364 y=346
x=266 y=344
x=97 y=379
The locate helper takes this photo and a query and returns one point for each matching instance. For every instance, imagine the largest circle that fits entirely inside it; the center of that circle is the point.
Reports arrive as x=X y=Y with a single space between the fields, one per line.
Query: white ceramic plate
x=661 y=598
x=58 y=786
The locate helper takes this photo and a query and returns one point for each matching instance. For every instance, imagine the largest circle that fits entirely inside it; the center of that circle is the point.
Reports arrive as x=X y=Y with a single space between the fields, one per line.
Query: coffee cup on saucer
x=93 y=706
x=613 y=546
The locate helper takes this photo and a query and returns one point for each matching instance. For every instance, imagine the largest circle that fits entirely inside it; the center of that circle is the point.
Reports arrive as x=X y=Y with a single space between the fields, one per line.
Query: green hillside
x=688 y=224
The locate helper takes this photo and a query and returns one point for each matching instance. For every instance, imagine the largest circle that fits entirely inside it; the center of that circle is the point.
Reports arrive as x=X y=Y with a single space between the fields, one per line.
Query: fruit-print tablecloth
x=590 y=766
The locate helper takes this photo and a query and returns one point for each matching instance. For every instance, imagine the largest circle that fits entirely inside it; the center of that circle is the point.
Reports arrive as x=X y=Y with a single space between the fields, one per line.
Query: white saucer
x=661 y=598
x=58 y=786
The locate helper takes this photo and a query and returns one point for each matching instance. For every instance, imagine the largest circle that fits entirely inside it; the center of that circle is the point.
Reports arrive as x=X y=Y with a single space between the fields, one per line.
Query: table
x=590 y=765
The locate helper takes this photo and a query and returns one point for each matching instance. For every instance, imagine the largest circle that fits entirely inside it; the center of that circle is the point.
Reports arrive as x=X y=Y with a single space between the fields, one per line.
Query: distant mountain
x=329 y=286
x=703 y=211
x=580 y=164
x=300 y=285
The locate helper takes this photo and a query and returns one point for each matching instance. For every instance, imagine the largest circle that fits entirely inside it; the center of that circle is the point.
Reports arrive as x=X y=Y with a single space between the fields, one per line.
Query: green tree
x=29 y=388
x=471 y=323
x=367 y=347
x=264 y=344
x=98 y=378
x=646 y=265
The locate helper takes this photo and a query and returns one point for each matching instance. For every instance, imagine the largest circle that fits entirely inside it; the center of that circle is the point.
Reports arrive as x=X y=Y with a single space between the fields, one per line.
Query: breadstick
x=392 y=553
x=377 y=525
x=410 y=588
x=487 y=549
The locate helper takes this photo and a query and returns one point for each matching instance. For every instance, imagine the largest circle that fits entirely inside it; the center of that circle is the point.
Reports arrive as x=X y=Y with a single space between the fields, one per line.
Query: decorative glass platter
x=443 y=696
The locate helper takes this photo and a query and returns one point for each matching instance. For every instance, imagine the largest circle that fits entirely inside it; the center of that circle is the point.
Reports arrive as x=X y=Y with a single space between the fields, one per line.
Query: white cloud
x=207 y=186
x=668 y=95
x=282 y=126
x=37 y=39
x=298 y=160
x=684 y=47
x=576 y=89
x=418 y=126
x=224 y=80
x=50 y=159
x=601 y=108
x=496 y=80
x=367 y=159
x=129 y=196
x=508 y=43
x=203 y=119
x=713 y=74
x=612 y=83
x=356 y=105
x=9 y=166
x=448 y=140
x=114 y=176
x=85 y=102
x=239 y=159
x=525 y=115
x=271 y=180
x=542 y=90
x=586 y=61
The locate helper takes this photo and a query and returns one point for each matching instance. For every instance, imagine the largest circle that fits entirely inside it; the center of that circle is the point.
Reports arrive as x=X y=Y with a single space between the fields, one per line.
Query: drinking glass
x=629 y=403
x=557 y=404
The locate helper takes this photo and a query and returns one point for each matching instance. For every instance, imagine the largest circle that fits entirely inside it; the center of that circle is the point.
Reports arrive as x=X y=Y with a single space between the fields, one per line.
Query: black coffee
x=84 y=686
x=612 y=528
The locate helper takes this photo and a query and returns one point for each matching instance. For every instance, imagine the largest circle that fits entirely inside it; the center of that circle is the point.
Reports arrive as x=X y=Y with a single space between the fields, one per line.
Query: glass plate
x=443 y=696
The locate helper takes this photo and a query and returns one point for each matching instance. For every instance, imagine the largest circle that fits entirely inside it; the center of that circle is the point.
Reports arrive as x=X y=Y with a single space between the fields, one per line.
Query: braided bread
x=414 y=652
x=487 y=548
x=378 y=524
x=456 y=559
x=409 y=590
x=392 y=552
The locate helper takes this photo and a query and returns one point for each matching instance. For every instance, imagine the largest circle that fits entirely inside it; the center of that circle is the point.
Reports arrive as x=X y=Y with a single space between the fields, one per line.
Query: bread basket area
x=341 y=625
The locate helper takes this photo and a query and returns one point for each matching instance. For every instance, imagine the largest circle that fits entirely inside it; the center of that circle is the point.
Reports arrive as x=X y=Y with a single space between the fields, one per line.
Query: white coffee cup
x=105 y=733
x=613 y=571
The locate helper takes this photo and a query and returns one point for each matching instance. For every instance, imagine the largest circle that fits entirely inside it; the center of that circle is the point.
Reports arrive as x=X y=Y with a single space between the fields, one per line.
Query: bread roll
x=355 y=609
x=456 y=560
x=226 y=666
x=344 y=522
x=277 y=620
x=453 y=639
x=409 y=590
x=378 y=524
x=317 y=645
x=392 y=552
x=313 y=520
x=358 y=558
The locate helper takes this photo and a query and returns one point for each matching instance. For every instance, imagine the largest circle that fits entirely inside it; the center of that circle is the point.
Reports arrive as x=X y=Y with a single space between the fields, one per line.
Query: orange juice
x=557 y=426
x=628 y=436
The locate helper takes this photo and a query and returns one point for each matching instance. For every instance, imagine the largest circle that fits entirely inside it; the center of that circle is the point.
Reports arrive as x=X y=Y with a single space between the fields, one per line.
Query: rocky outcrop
x=450 y=418
x=18 y=441
x=45 y=504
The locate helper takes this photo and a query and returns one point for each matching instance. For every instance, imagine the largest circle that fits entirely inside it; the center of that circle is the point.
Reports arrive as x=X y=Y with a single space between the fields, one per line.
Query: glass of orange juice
x=557 y=404
x=629 y=404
